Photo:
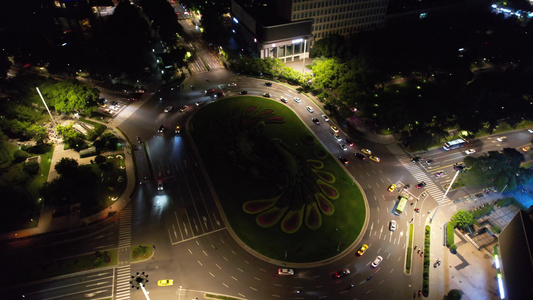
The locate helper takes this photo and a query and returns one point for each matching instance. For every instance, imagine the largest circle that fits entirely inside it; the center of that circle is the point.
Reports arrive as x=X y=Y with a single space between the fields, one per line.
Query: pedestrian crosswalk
x=123 y=271
x=123 y=286
x=431 y=188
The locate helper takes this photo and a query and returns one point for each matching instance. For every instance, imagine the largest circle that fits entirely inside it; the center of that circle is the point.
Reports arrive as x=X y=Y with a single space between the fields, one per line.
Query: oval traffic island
x=282 y=193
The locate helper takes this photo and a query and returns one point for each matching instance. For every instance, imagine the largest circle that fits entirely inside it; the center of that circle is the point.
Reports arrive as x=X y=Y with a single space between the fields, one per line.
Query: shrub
x=453 y=248
x=478 y=213
x=450 y=226
x=32 y=168
x=20 y=156
x=504 y=202
x=496 y=229
x=425 y=277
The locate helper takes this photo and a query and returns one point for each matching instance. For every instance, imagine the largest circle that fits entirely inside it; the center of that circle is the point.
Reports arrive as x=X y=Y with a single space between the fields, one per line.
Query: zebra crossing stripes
x=123 y=287
x=124 y=230
x=420 y=175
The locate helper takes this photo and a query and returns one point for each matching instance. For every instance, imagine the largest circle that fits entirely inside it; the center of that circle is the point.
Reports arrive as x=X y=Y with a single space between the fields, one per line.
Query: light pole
x=53 y=121
x=139 y=281
x=458 y=169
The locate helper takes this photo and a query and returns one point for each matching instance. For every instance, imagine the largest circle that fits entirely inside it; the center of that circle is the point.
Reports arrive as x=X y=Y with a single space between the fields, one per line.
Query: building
x=285 y=29
x=516 y=256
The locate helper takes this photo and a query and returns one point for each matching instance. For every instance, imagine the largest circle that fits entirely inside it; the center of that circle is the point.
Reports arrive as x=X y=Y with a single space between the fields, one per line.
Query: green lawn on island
x=234 y=137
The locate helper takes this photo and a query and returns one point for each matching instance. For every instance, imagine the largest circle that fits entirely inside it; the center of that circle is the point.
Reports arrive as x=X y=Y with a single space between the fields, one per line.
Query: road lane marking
x=225 y=285
x=253 y=288
x=211 y=274
x=234 y=278
x=200 y=263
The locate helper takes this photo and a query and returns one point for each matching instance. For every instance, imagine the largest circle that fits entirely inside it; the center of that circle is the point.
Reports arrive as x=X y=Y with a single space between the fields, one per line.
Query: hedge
x=478 y=213
x=425 y=276
x=409 y=250
x=450 y=226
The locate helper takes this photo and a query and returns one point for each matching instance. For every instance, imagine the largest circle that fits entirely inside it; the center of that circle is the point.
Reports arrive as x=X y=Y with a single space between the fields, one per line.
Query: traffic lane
x=96 y=283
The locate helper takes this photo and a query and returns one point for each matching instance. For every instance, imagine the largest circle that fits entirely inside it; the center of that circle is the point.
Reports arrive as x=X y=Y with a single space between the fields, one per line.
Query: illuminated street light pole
x=458 y=170
x=53 y=121
x=138 y=281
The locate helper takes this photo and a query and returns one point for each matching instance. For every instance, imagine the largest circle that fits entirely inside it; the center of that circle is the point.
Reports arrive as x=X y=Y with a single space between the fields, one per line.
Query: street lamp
x=53 y=121
x=459 y=169
x=139 y=281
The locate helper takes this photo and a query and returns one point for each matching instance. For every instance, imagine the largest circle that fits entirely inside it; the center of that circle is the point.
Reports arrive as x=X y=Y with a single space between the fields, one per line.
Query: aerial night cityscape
x=266 y=149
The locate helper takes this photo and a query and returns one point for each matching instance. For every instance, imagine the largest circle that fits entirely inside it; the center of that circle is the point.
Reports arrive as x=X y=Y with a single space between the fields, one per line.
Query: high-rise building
x=285 y=29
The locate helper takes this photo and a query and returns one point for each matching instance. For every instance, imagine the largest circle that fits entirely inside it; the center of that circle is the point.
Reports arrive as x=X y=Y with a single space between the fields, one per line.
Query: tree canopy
x=463 y=219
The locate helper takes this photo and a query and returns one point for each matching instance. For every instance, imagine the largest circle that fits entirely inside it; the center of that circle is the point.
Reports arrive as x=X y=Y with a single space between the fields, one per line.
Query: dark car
x=161 y=128
x=343 y=160
x=360 y=156
x=219 y=95
x=416 y=159
x=243 y=92
x=349 y=142
x=267 y=95
x=342 y=273
x=209 y=91
x=421 y=185
x=269 y=84
x=114 y=102
x=316 y=121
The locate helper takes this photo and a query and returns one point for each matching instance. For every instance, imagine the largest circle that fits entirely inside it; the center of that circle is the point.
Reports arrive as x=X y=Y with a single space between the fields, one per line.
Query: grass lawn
x=141 y=252
x=245 y=162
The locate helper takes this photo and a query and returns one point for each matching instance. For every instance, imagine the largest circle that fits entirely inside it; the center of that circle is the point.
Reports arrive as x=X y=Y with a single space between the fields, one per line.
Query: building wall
x=342 y=17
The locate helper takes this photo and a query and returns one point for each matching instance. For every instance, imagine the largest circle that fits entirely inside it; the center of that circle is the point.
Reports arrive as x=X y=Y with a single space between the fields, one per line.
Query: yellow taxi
x=374 y=158
x=334 y=128
x=362 y=250
x=366 y=151
x=391 y=188
x=178 y=129
x=165 y=282
x=526 y=149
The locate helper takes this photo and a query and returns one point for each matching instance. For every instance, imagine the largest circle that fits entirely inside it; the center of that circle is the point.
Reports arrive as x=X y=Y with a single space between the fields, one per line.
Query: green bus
x=401 y=205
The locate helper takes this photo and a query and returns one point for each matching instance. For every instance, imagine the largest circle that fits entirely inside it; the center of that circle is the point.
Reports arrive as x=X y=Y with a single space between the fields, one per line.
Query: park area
x=282 y=192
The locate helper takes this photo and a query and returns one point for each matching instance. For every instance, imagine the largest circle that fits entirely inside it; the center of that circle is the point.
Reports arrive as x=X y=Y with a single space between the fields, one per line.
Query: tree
x=20 y=155
x=99 y=159
x=32 y=168
x=463 y=219
x=38 y=133
x=66 y=166
x=454 y=295
x=71 y=96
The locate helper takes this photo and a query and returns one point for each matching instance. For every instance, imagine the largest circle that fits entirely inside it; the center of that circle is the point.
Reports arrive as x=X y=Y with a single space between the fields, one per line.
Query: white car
x=501 y=138
x=392 y=225
x=530 y=130
x=325 y=118
x=285 y=272
x=337 y=137
x=168 y=108
x=377 y=261
x=470 y=151
x=297 y=100
x=310 y=109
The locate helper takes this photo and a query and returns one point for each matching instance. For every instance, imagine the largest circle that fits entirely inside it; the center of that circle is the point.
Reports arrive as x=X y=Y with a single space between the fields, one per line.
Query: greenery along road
x=284 y=195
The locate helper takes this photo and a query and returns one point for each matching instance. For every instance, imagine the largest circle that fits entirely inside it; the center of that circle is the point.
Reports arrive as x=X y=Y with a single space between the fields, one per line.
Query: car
x=310 y=109
x=391 y=188
x=178 y=129
x=243 y=92
x=114 y=103
x=141 y=91
x=374 y=158
x=267 y=95
x=526 y=149
x=337 y=137
x=416 y=159
x=406 y=187
x=199 y=103
x=161 y=128
x=209 y=91
x=285 y=272
x=421 y=185
x=297 y=100
x=284 y=100
x=325 y=118
x=501 y=138
x=343 y=160
x=458 y=167
x=360 y=156
x=168 y=108
x=184 y=108
x=219 y=95
x=316 y=121
x=362 y=250
x=334 y=128
x=430 y=162
x=530 y=130
x=349 y=142
x=132 y=99
x=342 y=273
x=377 y=261
x=343 y=147
x=392 y=225
x=232 y=84
x=470 y=151
x=439 y=174
x=165 y=282
x=269 y=84
x=366 y=151
x=160 y=185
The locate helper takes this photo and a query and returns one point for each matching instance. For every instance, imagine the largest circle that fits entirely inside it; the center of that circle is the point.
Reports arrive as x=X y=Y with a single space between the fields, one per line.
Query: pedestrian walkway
x=420 y=175
x=123 y=286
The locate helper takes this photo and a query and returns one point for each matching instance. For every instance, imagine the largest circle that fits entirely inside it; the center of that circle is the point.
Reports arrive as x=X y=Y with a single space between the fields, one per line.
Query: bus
x=401 y=205
x=458 y=143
